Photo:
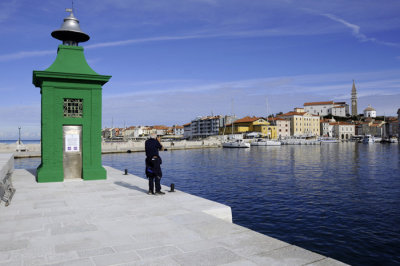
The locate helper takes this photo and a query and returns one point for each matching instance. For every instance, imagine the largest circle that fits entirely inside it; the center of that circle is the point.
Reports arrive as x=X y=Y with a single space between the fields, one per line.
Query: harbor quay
x=33 y=150
x=115 y=222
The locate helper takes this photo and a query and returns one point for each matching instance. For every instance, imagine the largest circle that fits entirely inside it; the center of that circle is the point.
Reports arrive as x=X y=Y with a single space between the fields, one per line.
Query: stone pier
x=114 y=222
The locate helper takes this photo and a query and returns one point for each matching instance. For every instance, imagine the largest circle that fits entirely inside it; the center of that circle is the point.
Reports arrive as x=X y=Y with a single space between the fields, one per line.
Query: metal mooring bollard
x=172 y=188
x=126 y=171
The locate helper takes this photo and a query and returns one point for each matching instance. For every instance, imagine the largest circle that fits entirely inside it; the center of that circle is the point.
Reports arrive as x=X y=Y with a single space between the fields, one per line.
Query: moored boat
x=236 y=143
x=265 y=142
x=328 y=140
x=368 y=139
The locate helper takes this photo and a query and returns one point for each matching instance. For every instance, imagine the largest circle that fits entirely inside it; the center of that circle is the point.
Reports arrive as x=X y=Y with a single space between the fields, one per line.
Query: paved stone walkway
x=114 y=222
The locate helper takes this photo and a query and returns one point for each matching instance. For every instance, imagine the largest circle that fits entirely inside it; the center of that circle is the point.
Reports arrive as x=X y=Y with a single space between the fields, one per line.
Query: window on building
x=73 y=107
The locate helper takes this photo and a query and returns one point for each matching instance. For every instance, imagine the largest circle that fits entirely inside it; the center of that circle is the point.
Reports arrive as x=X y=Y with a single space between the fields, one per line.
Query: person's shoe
x=159 y=193
x=150 y=192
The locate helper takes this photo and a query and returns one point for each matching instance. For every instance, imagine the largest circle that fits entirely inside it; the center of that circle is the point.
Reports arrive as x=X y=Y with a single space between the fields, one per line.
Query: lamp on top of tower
x=70 y=32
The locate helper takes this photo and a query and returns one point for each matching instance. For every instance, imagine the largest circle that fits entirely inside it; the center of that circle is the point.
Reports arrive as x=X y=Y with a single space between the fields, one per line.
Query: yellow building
x=251 y=124
x=303 y=123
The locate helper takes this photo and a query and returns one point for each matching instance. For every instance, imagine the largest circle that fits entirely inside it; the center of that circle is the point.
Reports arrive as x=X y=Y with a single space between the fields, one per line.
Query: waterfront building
x=160 y=130
x=391 y=127
x=206 y=126
x=203 y=127
x=144 y=131
x=187 y=131
x=129 y=132
x=177 y=130
x=106 y=133
x=327 y=127
x=248 y=125
x=282 y=127
x=343 y=130
x=327 y=108
x=370 y=127
x=354 y=100
x=302 y=123
x=369 y=112
x=117 y=132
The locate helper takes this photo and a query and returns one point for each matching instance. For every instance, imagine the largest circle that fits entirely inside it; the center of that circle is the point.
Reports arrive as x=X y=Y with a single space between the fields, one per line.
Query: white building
x=178 y=130
x=343 y=130
x=159 y=130
x=327 y=128
x=282 y=127
x=129 y=132
x=339 y=110
x=327 y=108
x=369 y=112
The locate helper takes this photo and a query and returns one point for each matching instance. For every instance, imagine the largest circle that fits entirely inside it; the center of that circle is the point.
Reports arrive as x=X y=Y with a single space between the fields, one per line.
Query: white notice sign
x=72 y=142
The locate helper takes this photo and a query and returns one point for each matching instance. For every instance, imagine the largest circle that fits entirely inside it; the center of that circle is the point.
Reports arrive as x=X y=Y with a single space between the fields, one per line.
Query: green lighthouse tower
x=71 y=93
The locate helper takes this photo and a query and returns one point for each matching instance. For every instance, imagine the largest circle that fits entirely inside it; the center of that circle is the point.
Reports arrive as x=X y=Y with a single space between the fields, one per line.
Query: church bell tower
x=354 y=100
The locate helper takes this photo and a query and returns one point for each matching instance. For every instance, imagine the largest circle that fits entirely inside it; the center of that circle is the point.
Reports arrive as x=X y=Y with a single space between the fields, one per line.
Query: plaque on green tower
x=71 y=98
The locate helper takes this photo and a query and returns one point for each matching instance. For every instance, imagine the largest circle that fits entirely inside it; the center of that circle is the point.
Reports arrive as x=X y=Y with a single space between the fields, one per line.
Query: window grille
x=73 y=107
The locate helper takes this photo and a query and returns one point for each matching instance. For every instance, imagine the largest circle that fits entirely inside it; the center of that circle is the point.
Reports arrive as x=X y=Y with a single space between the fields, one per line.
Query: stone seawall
x=33 y=150
x=133 y=146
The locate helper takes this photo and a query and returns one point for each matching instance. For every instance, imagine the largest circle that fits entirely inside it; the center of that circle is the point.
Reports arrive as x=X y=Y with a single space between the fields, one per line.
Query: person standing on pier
x=153 y=163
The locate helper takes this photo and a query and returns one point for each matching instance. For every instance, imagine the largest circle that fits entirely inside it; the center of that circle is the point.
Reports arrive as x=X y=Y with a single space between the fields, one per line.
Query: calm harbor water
x=339 y=200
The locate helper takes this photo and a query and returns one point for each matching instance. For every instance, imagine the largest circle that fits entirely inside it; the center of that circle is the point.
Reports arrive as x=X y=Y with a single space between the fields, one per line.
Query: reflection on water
x=340 y=200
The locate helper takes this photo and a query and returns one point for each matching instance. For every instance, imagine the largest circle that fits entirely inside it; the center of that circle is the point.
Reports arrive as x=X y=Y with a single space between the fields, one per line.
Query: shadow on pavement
x=127 y=185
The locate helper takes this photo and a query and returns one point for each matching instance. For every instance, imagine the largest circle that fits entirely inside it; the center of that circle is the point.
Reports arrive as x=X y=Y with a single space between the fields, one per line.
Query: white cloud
x=356 y=31
x=221 y=34
x=24 y=54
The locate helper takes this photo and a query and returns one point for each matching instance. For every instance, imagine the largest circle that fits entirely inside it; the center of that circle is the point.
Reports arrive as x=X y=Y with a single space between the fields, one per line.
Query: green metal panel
x=70 y=77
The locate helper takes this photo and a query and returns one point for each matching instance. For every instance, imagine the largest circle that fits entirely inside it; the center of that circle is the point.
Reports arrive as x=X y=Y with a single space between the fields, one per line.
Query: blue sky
x=173 y=60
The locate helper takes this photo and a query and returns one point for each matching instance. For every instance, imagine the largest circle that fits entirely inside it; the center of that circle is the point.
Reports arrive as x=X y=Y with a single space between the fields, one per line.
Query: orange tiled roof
x=247 y=119
x=187 y=124
x=293 y=113
x=280 y=119
x=318 y=103
x=161 y=127
x=180 y=127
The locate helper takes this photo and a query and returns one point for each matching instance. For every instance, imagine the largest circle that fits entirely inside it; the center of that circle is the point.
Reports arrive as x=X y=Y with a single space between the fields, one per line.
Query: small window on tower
x=73 y=107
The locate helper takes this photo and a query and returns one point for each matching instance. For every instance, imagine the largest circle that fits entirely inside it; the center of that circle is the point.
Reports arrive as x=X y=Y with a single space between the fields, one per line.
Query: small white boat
x=393 y=140
x=329 y=140
x=236 y=143
x=368 y=139
x=265 y=142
